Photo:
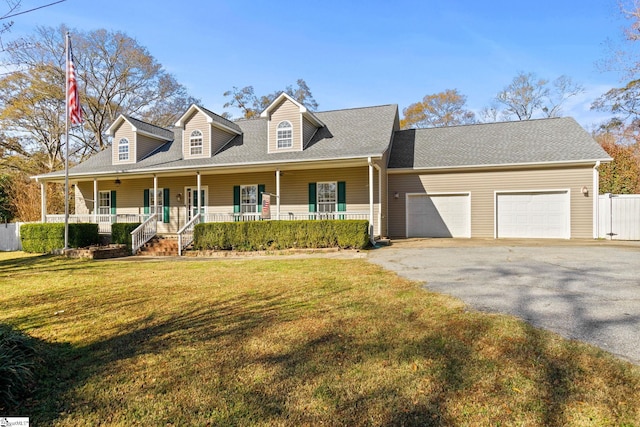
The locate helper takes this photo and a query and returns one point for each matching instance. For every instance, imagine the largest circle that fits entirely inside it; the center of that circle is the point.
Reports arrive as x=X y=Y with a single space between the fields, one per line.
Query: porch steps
x=160 y=246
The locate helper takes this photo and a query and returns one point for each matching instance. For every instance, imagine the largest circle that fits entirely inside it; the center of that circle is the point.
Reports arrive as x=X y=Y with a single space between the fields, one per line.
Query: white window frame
x=284 y=135
x=123 y=150
x=152 y=200
x=325 y=206
x=196 y=143
x=104 y=203
x=251 y=206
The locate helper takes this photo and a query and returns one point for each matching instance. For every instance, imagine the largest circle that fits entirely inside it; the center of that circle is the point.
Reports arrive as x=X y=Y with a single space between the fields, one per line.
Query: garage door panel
x=438 y=215
x=533 y=215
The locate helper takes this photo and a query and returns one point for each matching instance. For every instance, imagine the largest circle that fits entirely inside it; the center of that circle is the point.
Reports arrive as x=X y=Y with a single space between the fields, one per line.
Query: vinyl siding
x=293 y=189
x=308 y=131
x=219 y=138
x=483 y=185
x=287 y=110
x=145 y=145
x=124 y=131
x=197 y=121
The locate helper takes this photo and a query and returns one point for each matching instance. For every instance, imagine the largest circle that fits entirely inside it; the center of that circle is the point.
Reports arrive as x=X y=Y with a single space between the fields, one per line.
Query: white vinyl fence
x=10 y=237
x=619 y=216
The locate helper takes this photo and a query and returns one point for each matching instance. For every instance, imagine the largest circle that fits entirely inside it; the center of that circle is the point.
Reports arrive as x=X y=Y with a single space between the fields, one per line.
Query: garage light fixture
x=585 y=190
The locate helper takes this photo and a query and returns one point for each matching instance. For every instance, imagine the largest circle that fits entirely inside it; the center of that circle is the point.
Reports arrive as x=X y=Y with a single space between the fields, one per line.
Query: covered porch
x=173 y=202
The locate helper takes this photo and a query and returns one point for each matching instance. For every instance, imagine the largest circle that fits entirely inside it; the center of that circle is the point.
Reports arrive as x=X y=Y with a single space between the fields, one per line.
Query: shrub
x=17 y=362
x=42 y=238
x=121 y=233
x=260 y=235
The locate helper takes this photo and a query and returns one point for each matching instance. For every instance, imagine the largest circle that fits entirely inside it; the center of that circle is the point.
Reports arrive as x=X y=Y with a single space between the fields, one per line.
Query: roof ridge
x=504 y=122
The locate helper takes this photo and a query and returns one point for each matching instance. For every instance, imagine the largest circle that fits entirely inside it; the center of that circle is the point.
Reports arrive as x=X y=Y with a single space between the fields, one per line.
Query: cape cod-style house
x=533 y=178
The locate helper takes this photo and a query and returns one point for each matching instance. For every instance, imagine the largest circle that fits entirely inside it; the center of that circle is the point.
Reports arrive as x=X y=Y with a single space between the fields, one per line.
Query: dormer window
x=123 y=149
x=195 y=143
x=285 y=134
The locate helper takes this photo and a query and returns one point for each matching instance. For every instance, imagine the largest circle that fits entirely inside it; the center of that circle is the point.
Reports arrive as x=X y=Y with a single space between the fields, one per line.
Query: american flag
x=73 y=100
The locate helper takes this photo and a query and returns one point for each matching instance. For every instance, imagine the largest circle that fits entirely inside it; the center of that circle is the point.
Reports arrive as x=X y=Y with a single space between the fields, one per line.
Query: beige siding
x=287 y=110
x=197 y=121
x=483 y=185
x=308 y=131
x=219 y=138
x=124 y=131
x=294 y=190
x=145 y=145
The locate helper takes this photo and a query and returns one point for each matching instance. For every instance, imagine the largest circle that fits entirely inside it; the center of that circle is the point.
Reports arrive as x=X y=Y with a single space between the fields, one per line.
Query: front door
x=192 y=201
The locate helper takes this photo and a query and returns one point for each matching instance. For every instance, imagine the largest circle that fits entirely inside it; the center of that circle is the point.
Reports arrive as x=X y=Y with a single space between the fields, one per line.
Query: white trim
x=187 y=188
x=190 y=147
x=95 y=200
x=567 y=191
x=436 y=194
x=212 y=167
x=278 y=139
x=595 y=193
x=440 y=169
x=128 y=153
x=335 y=204
x=303 y=110
x=257 y=197
x=181 y=121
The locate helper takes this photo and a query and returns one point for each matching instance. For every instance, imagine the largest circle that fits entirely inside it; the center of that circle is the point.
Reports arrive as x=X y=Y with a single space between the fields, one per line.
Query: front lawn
x=289 y=342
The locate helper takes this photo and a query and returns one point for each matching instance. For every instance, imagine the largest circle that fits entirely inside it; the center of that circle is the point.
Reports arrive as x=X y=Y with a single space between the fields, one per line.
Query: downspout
x=596 y=201
x=371 y=238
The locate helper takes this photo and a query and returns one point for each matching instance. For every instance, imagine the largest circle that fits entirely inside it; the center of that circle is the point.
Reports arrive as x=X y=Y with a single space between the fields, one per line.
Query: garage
x=439 y=215
x=536 y=214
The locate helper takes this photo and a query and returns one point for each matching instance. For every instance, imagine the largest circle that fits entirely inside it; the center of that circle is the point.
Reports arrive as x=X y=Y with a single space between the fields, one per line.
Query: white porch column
x=379 y=200
x=595 y=194
x=43 y=201
x=95 y=200
x=278 y=194
x=155 y=196
x=370 y=198
x=199 y=197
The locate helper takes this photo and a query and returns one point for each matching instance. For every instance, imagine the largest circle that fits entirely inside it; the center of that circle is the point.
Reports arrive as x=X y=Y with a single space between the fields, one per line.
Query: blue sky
x=357 y=53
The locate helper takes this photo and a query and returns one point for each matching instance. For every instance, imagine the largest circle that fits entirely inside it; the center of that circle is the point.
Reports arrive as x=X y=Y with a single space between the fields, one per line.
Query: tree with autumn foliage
x=446 y=108
x=622 y=175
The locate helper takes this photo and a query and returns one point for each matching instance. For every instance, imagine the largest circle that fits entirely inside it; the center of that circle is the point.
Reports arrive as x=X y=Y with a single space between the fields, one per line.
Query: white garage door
x=441 y=215
x=535 y=214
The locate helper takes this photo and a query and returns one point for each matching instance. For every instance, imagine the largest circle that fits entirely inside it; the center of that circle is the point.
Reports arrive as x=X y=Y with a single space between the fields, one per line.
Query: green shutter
x=203 y=201
x=260 y=191
x=165 y=206
x=312 y=199
x=342 y=196
x=146 y=201
x=236 y=201
x=113 y=204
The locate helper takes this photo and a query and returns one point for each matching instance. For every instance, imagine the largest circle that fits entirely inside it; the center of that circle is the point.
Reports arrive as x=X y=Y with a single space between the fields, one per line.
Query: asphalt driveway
x=587 y=290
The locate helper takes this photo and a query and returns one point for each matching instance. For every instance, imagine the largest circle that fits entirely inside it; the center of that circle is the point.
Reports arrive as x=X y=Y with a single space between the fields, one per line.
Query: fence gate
x=619 y=216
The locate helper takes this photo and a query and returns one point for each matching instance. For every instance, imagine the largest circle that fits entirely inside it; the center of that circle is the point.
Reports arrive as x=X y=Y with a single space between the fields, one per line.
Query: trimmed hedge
x=262 y=235
x=121 y=232
x=41 y=238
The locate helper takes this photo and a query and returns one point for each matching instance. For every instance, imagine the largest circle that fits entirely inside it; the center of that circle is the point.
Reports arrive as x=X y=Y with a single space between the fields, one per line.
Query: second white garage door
x=533 y=214
x=438 y=215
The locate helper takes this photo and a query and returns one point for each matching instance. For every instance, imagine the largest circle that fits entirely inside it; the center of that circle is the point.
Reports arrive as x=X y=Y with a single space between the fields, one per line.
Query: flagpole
x=66 y=154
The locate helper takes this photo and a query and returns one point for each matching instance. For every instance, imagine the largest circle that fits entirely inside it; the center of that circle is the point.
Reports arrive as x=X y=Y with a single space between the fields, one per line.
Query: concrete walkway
x=586 y=290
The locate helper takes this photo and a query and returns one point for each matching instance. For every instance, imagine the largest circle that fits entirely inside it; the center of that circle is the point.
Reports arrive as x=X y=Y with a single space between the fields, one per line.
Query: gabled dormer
x=205 y=132
x=134 y=139
x=290 y=124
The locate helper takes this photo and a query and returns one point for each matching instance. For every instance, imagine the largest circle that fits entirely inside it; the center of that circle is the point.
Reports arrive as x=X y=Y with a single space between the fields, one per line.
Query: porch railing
x=256 y=216
x=143 y=233
x=104 y=220
x=185 y=234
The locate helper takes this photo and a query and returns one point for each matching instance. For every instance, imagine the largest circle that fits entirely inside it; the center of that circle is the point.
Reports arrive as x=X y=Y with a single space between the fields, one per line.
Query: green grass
x=290 y=342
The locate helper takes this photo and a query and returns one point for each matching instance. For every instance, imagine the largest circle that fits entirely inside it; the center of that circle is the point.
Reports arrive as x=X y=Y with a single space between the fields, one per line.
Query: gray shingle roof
x=508 y=143
x=352 y=133
x=219 y=119
x=149 y=128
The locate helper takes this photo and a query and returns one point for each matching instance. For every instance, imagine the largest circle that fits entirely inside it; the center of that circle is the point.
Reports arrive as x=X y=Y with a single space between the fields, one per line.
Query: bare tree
x=528 y=96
